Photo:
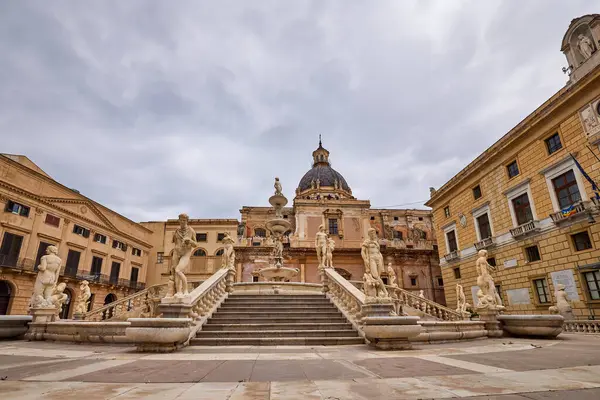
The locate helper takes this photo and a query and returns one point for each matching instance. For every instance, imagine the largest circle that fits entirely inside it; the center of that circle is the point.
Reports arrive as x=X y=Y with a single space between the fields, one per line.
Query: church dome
x=322 y=173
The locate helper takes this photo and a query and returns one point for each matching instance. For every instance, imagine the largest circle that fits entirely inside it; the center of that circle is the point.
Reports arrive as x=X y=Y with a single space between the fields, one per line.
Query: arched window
x=5 y=296
x=219 y=252
x=199 y=253
x=109 y=298
x=260 y=232
x=64 y=313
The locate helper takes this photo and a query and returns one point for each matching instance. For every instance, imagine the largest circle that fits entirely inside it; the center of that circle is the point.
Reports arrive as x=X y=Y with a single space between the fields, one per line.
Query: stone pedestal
x=174 y=309
x=40 y=319
x=158 y=335
x=377 y=310
x=391 y=333
x=492 y=325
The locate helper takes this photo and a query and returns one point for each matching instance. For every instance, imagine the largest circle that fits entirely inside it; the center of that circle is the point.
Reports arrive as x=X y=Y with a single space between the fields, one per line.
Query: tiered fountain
x=278 y=226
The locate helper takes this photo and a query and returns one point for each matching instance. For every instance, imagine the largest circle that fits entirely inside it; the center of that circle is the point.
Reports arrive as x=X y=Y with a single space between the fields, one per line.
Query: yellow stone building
x=527 y=203
x=95 y=243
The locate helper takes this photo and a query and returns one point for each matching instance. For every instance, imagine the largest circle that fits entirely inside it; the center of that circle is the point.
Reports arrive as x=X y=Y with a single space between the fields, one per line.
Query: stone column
x=238 y=272
x=302 y=273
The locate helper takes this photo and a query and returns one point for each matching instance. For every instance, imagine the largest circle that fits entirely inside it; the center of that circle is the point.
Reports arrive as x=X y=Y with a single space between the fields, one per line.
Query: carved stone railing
x=525 y=229
x=139 y=304
x=403 y=297
x=484 y=244
x=207 y=297
x=345 y=296
x=582 y=326
x=452 y=256
x=576 y=212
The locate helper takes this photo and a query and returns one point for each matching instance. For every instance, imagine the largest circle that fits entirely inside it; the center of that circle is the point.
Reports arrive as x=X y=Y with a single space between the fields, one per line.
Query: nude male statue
x=46 y=279
x=373 y=259
x=185 y=240
x=321 y=245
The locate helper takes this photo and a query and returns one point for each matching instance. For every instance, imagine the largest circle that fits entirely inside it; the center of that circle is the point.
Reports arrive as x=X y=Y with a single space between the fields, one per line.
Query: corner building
x=527 y=203
x=95 y=243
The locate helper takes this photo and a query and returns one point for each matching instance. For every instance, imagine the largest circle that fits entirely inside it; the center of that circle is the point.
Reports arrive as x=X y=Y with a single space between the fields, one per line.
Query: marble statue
x=318 y=183
x=228 y=260
x=277 y=186
x=46 y=279
x=278 y=247
x=59 y=298
x=585 y=46
x=563 y=307
x=461 y=301
x=490 y=297
x=321 y=245
x=392 y=279
x=83 y=299
x=374 y=267
x=312 y=184
x=185 y=240
x=431 y=191
x=335 y=184
x=422 y=294
x=330 y=249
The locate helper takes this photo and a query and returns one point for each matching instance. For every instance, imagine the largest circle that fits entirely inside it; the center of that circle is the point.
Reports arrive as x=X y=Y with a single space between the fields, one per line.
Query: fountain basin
x=278 y=274
x=279 y=226
x=548 y=326
x=278 y=201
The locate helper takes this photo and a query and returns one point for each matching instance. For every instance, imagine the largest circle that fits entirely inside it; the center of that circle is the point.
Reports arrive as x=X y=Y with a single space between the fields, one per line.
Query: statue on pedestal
x=46 y=279
x=461 y=301
x=374 y=267
x=278 y=188
x=489 y=297
x=185 y=240
x=321 y=245
x=585 y=46
x=228 y=260
x=562 y=307
x=59 y=298
x=392 y=279
x=81 y=306
x=330 y=248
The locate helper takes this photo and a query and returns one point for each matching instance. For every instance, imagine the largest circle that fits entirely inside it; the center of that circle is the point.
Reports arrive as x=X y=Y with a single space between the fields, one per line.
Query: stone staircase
x=268 y=320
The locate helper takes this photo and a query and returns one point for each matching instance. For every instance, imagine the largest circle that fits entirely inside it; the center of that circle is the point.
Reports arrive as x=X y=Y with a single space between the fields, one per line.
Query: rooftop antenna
x=320 y=145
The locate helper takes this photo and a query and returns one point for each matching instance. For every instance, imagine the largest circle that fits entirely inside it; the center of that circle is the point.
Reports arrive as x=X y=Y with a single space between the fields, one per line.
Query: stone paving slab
x=408 y=367
x=29 y=371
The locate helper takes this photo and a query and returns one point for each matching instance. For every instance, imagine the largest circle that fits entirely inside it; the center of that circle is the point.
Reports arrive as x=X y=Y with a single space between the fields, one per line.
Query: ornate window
x=260 y=232
x=199 y=253
x=565 y=187
x=333 y=226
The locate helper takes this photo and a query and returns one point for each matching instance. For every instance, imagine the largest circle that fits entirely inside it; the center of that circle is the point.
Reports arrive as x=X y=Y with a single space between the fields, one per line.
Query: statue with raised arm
x=585 y=46
x=46 y=279
x=278 y=188
x=330 y=248
x=489 y=295
x=185 y=240
x=59 y=298
x=228 y=260
x=374 y=267
x=83 y=299
x=321 y=245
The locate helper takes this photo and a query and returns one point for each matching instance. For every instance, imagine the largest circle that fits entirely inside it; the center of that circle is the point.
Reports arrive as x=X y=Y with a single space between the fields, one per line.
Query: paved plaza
x=508 y=368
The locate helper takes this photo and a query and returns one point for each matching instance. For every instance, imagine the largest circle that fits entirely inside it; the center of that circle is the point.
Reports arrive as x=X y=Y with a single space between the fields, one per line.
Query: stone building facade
x=94 y=242
x=526 y=201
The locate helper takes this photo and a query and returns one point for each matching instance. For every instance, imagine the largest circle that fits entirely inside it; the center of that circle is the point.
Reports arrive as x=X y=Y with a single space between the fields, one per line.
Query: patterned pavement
x=504 y=369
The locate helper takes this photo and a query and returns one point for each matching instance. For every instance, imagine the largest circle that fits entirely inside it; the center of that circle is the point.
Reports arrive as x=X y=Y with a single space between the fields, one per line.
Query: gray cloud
x=154 y=108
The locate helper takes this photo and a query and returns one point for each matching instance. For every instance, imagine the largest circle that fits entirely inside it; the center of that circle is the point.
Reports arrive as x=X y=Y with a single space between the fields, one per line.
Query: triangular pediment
x=84 y=208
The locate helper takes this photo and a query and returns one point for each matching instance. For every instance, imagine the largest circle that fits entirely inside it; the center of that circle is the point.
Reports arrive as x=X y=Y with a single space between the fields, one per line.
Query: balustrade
x=345 y=296
x=582 y=326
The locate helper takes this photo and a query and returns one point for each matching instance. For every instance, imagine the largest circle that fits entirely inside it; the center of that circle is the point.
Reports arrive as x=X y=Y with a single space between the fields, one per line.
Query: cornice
x=16 y=228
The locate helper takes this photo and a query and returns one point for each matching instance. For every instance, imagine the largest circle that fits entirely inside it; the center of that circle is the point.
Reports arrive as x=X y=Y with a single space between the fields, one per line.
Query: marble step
x=215 y=327
x=276 y=320
x=278 y=296
x=271 y=313
x=279 y=341
x=275 y=302
x=277 y=308
x=277 y=333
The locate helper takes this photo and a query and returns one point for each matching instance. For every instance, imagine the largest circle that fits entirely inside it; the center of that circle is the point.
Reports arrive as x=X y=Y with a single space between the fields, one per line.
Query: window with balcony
x=553 y=143
x=541 y=290
x=96 y=268
x=115 y=270
x=566 y=189
x=532 y=253
x=581 y=241
x=52 y=220
x=99 y=238
x=451 y=239
x=136 y=252
x=483 y=226
x=72 y=264
x=10 y=249
x=477 y=192
x=133 y=278
x=17 y=208
x=522 y=209
x=333 y=226
x=456 y=273
x=592 y=280
x=512 y=169
x=81 y=231
x=201 y=237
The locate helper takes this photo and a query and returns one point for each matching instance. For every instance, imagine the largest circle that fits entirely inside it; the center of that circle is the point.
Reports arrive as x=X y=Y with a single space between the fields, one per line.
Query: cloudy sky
x=153 y=107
